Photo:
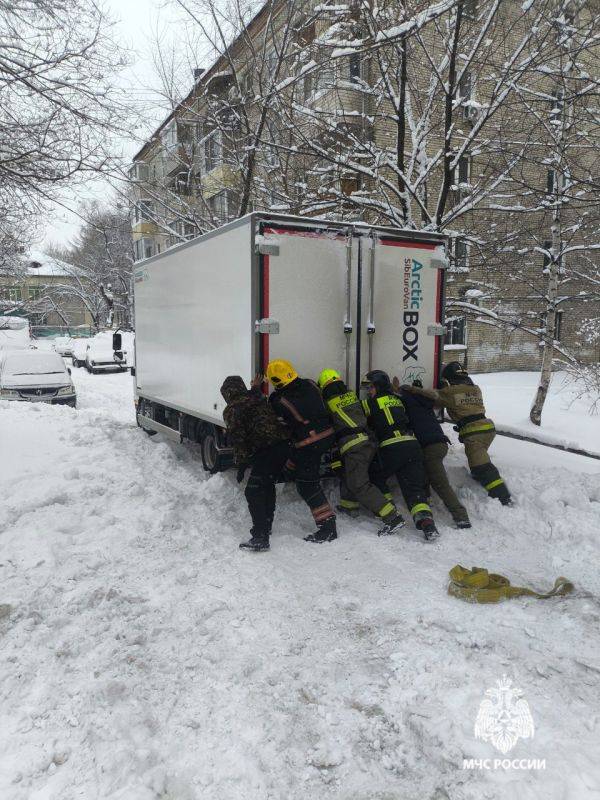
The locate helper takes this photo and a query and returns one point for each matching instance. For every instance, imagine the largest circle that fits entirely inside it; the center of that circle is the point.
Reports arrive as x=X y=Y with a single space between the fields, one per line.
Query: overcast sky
x=138 y=24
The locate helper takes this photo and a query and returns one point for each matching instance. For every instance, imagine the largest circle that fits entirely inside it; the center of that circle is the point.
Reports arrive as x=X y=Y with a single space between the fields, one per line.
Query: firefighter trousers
x=267 y=466
x=356 y=484
x=476 y=449
x=434 y=455
x=405 y=461
x=305 y=465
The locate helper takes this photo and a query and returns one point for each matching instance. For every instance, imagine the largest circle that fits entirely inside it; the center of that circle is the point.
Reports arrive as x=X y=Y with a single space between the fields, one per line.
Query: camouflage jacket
x=252 y=426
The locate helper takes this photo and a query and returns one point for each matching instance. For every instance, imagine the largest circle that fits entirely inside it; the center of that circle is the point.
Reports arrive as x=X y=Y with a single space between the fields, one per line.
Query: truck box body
x=321 y=294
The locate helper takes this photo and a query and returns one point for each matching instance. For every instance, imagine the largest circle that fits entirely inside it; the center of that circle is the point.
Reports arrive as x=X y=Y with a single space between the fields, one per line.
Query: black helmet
x=380 y=380
x=453 y=371
x=233 y=387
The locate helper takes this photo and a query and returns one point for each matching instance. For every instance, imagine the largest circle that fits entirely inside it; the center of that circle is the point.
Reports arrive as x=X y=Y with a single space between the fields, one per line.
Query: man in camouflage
x=260 y=442
x=463 y=401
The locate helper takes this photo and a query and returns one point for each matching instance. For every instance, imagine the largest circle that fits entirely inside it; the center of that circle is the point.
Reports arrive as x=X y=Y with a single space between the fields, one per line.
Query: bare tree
x=58 y=101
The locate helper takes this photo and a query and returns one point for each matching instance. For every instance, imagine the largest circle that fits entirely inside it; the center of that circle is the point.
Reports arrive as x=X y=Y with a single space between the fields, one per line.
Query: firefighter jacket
x=422 y=419
x=347 y=415
x=252 y=425
x=464 y=403
x=388 y=420
x=301 y=407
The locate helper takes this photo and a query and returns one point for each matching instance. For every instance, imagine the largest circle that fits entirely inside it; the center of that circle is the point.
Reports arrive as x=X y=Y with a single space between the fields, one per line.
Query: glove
x=241 y=473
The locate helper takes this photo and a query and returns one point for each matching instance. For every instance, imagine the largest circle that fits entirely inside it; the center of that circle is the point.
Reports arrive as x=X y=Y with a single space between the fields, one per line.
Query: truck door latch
x=436 y=330
x=269 y=326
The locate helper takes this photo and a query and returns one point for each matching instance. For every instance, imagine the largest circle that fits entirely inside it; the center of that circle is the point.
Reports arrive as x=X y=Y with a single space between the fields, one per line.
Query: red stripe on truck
x=265 y=313
x=413 y=245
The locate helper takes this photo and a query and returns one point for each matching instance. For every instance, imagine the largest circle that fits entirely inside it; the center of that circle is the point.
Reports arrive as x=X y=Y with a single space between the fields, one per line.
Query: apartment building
x=279 y=123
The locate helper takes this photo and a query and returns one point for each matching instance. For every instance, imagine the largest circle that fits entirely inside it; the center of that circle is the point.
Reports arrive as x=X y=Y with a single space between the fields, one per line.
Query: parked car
x=63 y=345
x=78 y=352
x=14 y=334
x=35 y=376
x=100 y=356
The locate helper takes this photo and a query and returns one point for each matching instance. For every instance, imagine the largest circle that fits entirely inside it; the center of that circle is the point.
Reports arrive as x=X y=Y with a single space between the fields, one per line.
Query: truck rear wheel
x=212 y=459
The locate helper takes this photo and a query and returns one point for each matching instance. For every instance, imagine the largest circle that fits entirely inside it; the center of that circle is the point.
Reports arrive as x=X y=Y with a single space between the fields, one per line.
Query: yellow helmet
x=281 y=372
x=328 y=376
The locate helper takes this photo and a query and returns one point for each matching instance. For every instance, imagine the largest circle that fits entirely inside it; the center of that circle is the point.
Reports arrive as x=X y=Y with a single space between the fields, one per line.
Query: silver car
x=36 y=377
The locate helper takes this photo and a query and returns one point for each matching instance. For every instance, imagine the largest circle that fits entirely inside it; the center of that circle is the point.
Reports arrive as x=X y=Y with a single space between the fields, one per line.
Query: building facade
x=285 y=121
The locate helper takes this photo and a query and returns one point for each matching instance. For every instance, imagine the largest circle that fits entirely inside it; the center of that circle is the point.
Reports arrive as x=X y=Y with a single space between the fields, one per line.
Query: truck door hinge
x=267 y=248
x=269 y=326
x=438 y=263
x=436 y=330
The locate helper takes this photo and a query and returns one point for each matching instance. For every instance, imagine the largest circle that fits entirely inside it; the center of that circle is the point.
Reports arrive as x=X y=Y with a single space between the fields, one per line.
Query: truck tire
x=209 y=450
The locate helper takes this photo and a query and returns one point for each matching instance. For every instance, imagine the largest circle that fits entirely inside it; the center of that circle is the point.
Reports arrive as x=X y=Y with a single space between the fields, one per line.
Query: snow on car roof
x=32 y=362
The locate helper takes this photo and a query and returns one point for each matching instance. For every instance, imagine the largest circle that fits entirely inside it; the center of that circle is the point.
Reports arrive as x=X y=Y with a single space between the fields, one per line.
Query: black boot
x=326 y=532
x=424 y=522
x=392 y=526
x=258 y=542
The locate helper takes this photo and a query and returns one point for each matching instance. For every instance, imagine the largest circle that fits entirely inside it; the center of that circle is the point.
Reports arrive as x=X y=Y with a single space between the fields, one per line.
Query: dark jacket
x=422 y=419
x=251 y=423
x=388 y=419
x=301 y=407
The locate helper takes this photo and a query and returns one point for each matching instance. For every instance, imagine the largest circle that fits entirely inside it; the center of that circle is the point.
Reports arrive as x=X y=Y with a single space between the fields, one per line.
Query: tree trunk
x=535 y=415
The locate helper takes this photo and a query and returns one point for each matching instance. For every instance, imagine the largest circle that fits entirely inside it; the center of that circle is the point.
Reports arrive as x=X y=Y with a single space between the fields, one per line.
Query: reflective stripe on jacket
x=388 y=420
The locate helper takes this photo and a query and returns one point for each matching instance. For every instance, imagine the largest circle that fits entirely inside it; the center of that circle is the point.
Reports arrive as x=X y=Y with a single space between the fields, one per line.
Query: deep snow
x=566 y=418
x=146 y=657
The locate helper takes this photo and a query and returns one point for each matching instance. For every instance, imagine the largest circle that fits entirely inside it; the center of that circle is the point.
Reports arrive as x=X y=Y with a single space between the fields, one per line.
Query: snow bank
x=144 y=656
x=566 y=420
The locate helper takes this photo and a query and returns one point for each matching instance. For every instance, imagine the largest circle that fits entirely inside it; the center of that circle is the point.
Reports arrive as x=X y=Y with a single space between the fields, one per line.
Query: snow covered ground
x=145 y=657
x=566 y=419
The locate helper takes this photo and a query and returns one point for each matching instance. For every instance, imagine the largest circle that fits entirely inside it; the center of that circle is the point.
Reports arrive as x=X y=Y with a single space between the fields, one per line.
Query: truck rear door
x=401 y=307
x=309 y=289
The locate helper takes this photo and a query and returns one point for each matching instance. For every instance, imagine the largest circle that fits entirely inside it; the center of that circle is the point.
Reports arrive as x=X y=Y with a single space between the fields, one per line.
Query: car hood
x=14 y=381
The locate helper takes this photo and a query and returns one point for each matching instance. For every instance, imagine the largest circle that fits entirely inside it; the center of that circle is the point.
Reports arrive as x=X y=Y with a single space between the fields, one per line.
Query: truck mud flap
x=151 y=425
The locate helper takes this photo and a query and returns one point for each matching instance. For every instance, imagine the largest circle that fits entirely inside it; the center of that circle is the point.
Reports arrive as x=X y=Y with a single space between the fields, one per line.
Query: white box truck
x=321 y=294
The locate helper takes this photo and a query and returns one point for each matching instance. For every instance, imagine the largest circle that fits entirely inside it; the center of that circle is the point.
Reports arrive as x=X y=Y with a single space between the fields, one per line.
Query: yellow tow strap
x=477 y=585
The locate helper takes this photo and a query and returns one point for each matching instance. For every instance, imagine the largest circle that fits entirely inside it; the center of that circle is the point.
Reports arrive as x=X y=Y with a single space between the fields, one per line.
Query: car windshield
x=34 y=364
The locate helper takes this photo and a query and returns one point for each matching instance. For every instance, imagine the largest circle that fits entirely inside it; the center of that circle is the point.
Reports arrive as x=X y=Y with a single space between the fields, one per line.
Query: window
x=456 y=330
x=547 y=246
x=324 y=78
x=169 y=136
x=461 y=176
x=143 y=211
x=465 y=95
x=143 y=248
x=219 y=206
x=556 y=106
x=213 y=151
x=558 y=320
x=460 y=253
x=354 y=67
x=35 y=292
x=11 y=293
x=139 y=171
x=182 y=230
x=550 y=181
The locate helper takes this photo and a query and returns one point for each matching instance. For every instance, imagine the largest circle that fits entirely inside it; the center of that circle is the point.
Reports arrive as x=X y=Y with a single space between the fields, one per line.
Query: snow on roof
x=38 y=263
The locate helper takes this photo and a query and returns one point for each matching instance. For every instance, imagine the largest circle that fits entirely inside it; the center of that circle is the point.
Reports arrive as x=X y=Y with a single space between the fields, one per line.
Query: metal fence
x=51 y=331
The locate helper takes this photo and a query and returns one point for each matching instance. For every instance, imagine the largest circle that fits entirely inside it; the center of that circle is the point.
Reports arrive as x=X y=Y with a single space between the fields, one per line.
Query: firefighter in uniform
x=260 y=442
x=434 y=443
x=463 y=401
x=357 y=451
x=298 y=402
x=399 y=452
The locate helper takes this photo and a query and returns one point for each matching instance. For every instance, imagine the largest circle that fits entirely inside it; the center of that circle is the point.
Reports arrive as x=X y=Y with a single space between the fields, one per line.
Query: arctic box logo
x=413 y=297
